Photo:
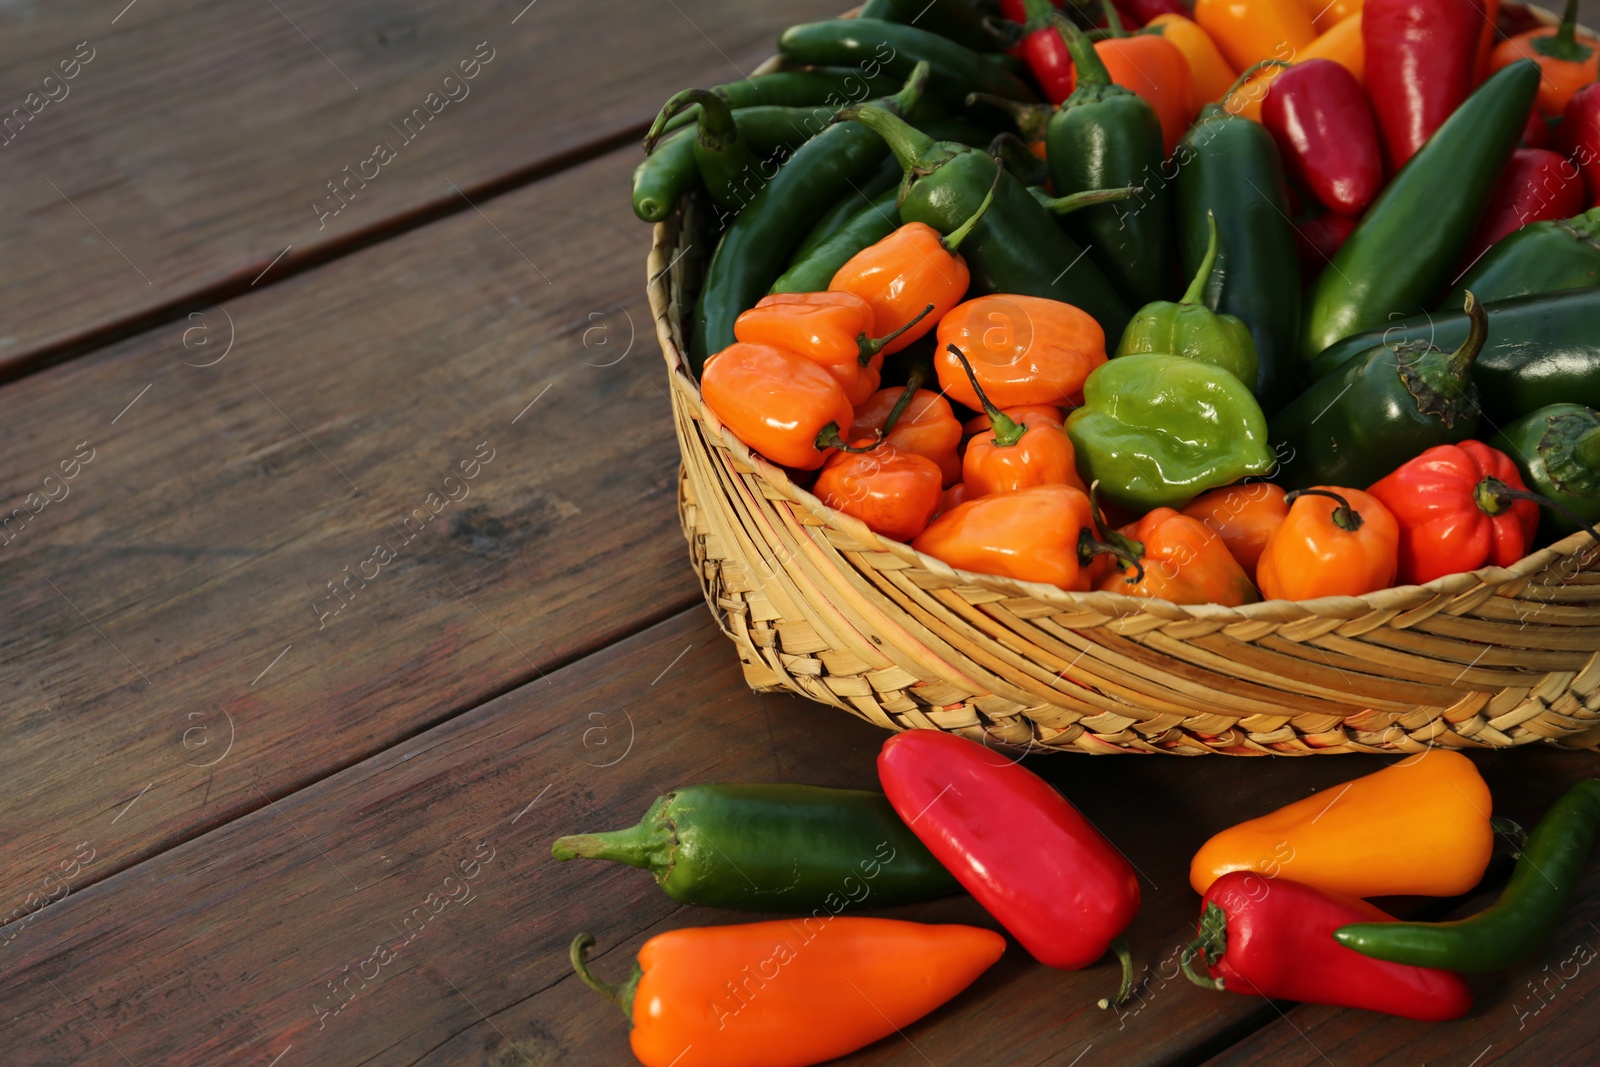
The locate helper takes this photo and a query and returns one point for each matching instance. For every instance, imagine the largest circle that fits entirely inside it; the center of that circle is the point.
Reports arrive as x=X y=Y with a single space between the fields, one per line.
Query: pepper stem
x=1251 y=73
x=1461 y=359
x=1204 y=981
x=634 y=846
x=1119 y=945
x=1031 y=120
x=1007 y=431
x=1086 y=61
x=716 y=125
x=1203 y=275
x=1506 y=827
x=1114 y=25
x=620 y=995
x=1036 y=15
x=871 y=346
x=828 y=437
x=1210 y=946
x=1129 y=551
x=1564 y=44
x=906 y=141
x=1344 y=516
x=1492 y=493
x=914 y=379
x=953 y=240
x=1066 y=205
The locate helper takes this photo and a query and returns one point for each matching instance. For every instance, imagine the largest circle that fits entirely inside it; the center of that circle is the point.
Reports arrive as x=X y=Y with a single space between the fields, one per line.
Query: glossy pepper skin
x=1543 y=885
x=1153 y=67
x=832 y=329
x=1275 y=939
x=775 y=401
x=1419 y=827
x=724 y=158
x=1557 y=452
x=1158 y=430
x=1318 y=115
x=1537 y=185
x=845 y=983
x=1348 y=545
x=1408 y=244
x=1341 y=44
x=1105 y=136
x=1018 y=846
x=1210 y=74
x=1192 y=330
x=1015 y=455
x=1046 y=53
x=1579 y=137
x=894 y=492
x=1248 y=31
x=1032 y=535
x=796 y=845
x=956 y=20
x=826 y=87
x=926 y=426
x=1180 y=560
x=869 y=43
x=813 y=268
x=1453 y=512
x=1568 y=60
x=1023 y=350
x=1421 y=63
x=1242 y=517
x=1541 y=257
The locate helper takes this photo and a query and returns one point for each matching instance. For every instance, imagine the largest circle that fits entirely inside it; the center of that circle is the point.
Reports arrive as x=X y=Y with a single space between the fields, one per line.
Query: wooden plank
x=171 y=614
x=197 y=141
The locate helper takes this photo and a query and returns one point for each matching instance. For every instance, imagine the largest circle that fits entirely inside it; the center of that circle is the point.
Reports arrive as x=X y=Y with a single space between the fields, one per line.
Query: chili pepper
x=1341 y=44
x=847 y=207
x=1396 y=400
x=1536 y=134
x=1018 y=846
x=955 y=19
x=829 y=328
x=1103 y=137
x=787 y=993
x=1317 y=113
x=1409 y=242
x=775 y=401
x=771 y=848
x=1014 y=455
x=1045 y=51
x=1027 y=413
x=1578 y=137
x=894 y=492
x=811 y=270
x=1032 y=535
x=1015 y=247
x=1455 y=513
x=1350 y=549
x=1144 y=12
x=1526 y=916
x=1021 y=161
x=830 y=87
x=1248 y=31
x=1157 y=430
x=1272 y=939
x=1181 y=561
x=1537 y=185
x=756 y=245
x=1319 y=237
x=1028 y=350
x=1421 y=63
x=1153 y=67
x=724 y=158
x=1192 y=330
x=957 y=70
x=1327 y=16
x=1541 y=257
x=925 y=425
x=1417 y=827
x=1567 y=61
x=1243 y=517
x=1557 y=452
x=1228 y=166
x=1210 y=74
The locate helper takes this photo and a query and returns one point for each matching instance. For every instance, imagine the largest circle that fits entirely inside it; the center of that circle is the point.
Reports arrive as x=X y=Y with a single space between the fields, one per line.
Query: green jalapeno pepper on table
x=1557 y=449
x=957 y=70
x=1541 y=257
x=830 y=87
x=723 y=157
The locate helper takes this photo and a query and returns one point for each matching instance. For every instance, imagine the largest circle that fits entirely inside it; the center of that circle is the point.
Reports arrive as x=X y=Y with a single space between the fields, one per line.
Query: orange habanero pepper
x=1171 y=556
x=1025 y=349
x=1342 y=44
x=1014 y=455
x=1248 y=31
x=1210 y=73
x=894 y=492
x=951 y=499
x=1348 y=548
x=1244 y=516
x=831 y=328
x=1028 y=413
x=1033 y=535
x=775 y=401
x=925 y=424
x=1567 y=60
x=787 y=993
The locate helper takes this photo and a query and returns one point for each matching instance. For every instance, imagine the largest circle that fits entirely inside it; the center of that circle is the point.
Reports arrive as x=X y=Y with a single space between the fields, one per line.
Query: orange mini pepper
x=831 y=328
x=1248 y=31
x=1243 y=516
x=775 y=401
x=789 y=992
x=1025 y=350
x=1420 y=826
x=1346 y=548
x=1015 y=455
x=1342 y=44
x=925 y=426
x=1153 y=67
x=1567 y=61
x=1175 y=558
x=1325 y=15
x=1033 y=535
x=1210 y=73
x=893 y=491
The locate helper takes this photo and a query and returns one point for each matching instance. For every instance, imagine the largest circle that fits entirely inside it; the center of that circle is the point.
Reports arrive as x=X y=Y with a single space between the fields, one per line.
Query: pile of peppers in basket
x=1209 y=302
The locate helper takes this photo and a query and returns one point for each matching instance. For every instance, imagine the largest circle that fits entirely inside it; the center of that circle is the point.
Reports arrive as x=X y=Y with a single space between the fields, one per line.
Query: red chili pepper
x=1017 y=845
x=1536 y=184
x=1142 y=11
x=1270 y=937
x=1455 y=513
x=1046 y=53
x=1421 y=62
x=1318 y=114
x=1320 y=237
x=1536 y=134
x=1579 y=137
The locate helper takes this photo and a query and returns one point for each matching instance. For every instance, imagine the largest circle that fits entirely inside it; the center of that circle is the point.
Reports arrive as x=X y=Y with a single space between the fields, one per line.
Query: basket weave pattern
x=818 y=604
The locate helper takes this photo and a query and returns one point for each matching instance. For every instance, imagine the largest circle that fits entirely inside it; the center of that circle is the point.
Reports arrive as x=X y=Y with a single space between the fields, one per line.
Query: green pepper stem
x=1031 y=120
x=1089 y=548
x=1119 y=945
x=871 y=346
x=620 y=995
x=1036 y=15
x=914 y=379
x=1211 y=945
x=1564 y=44
x=635 y=846
x=1066 y=205
x=953 y=240
x=907 y=142
x=1197 y=947
x=1251 y=73
x=1085 y=60
x=1007 y=431
x=1506 y=827
x=1344 y=516
x=1494 y=497
x=1128 y=550
x=1191 y=295
x=828 y=437
x=1461 y=360
x=716 y=127
x=1114 y=25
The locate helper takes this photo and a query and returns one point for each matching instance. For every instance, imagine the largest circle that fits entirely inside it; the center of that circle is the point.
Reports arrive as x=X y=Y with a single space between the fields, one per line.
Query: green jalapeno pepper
x=1541 y=257
x=724 y=158
x=957 y=69
x=812 y=271
x=1557 y=449
x=772 y=848
x=955 y=19
x=830 y=87
x=848 y=207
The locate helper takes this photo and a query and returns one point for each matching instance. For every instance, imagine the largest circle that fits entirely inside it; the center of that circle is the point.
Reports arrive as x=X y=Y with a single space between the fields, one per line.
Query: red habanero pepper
x=1579 y=137
x=894 y=492
x=1014 y=455
x=926 y=426
x=1536 y=185
x=1018 y=846
x=775 y=401
x=1274 y=938
x=1318 y=114
x=1319 y=237
x=1421 y=63
x=831 y=328
x=1046 y=53
x=1455 y=513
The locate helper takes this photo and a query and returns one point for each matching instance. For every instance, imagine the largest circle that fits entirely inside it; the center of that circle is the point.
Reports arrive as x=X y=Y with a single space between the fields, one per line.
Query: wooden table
x=342 y=572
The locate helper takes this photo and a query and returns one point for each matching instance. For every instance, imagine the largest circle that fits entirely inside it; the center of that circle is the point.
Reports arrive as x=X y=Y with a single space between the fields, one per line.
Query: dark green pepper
x=1557 y=449
x=1402 y=255
x=1524 y=918
x=725 y=160
x=955 y=19
x=1104 y=136
x=957 y=69
x=812 y=271
x=1542 y=349
x=1541 y=257
x=772 y=848
x=1189 y=328
x=1015 y=155
x=830 y=87
x=1158 y=430
x=848 y=207
x=1379 y=410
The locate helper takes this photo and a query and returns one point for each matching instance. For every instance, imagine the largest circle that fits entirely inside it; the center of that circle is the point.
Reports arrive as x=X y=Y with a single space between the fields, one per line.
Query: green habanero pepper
x=1189 y=328
x=1405 y=250
x=772 y=848
x=1379 y=410
x=724 y=158
x=1541 y=257
x=1557 y=449
x=957 y=69
x=1157 y=430
x=1525 y=917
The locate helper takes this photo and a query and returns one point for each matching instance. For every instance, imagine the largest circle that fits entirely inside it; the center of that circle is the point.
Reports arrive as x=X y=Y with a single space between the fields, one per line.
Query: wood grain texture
x=190 y=148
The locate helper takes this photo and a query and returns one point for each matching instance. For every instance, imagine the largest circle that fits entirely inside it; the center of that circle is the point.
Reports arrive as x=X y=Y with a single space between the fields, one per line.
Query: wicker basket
x=817 y=603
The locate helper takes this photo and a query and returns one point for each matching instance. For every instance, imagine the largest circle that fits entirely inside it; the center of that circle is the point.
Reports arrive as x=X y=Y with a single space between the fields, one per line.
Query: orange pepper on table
x=1025 y=350
x=1243 y=516
x=1033 y=535
x=1333 y=542
x=1248 y=31
x=1342 y=44
x=775 y=401
x=894 y=492
x=1156 y=69
x=1567 y=60
x=1210 y=73
x=1182 y=561
x=1015 y=455
x=812 y=990
x=927 y=426
x=831 y=328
